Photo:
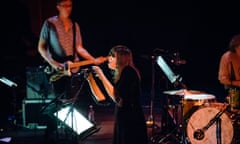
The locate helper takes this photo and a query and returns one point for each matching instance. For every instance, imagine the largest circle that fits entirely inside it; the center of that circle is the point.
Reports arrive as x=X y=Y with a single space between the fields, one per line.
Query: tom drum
x=192 y=100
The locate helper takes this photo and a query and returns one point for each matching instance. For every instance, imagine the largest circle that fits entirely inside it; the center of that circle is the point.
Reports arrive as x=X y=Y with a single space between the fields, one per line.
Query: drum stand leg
x=174 y=123
x=177 y=135
x=172 y=137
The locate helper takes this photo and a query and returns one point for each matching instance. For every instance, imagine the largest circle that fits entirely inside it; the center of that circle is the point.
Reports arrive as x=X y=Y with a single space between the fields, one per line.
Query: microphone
x=84 y=71
x=88 y=70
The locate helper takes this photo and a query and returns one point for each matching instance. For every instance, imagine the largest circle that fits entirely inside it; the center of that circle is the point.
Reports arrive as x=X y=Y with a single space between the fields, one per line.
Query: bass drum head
x=201 y=118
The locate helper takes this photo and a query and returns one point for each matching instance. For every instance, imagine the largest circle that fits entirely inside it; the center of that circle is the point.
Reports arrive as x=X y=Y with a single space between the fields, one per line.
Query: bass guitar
x=72 y=67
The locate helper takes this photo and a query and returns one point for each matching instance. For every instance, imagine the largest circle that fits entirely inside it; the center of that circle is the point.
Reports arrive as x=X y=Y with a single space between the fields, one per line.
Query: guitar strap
x=232 y=73
x=74 y=38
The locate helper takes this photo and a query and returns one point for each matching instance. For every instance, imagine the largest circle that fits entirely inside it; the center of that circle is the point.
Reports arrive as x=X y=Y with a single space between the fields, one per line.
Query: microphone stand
x=150 y=120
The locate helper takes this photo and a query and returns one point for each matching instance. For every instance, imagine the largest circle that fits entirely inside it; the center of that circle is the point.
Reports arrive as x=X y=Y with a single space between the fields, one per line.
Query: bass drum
x=224 y=132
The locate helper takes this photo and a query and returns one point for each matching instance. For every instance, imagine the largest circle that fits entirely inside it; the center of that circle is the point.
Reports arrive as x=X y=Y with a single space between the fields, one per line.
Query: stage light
x=75 y=120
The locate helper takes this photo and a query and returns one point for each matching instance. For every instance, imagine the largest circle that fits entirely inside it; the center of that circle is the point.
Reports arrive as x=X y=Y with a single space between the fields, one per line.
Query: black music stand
x=176 y=80
x=80 y=127
x=13 y=85
x=8 y=82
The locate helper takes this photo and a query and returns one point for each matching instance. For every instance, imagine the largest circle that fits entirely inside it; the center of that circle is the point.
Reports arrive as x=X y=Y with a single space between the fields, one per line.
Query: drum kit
x=200 y=119
x=192 y=116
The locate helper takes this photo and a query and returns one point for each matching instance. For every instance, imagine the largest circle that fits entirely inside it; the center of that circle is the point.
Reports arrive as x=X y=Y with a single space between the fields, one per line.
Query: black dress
x=130 y=125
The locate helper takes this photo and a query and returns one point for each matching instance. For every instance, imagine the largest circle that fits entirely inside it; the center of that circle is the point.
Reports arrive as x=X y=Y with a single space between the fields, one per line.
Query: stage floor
x=104 y=117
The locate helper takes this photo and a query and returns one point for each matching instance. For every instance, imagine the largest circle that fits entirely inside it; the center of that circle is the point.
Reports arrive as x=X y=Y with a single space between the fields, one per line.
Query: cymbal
x=182 y=92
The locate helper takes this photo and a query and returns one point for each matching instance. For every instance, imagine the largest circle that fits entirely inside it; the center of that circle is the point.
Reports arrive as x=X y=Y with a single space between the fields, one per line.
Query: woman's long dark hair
x=124 y=58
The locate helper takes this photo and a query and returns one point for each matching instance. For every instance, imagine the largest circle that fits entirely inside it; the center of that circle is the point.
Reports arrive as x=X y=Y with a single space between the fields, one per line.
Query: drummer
x=229 y=66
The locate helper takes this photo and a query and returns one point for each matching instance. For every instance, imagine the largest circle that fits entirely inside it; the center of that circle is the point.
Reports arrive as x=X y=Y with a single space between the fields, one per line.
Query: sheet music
x=8 y=82
x=166 y=69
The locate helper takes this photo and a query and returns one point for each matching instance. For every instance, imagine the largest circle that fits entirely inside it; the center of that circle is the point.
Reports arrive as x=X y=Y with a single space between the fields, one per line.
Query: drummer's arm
x=226 y=81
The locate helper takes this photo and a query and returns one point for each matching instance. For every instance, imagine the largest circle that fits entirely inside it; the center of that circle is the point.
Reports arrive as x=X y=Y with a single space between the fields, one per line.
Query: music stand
x=71 y=117
x=74 y=120
x=167 y=70
x=13 y=85
x=8 y=82
x=176 y=80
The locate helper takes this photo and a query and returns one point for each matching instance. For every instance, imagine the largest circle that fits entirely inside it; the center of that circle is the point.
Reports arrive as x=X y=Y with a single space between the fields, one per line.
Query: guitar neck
x=81 y=63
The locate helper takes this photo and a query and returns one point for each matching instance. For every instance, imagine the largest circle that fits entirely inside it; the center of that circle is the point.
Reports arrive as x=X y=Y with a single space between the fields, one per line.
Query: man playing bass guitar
x=60 y=45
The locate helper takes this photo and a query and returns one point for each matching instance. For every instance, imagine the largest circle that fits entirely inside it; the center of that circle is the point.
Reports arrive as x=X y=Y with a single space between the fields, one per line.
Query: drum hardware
x=173 y=122
x=234 y=98
x=178 y=101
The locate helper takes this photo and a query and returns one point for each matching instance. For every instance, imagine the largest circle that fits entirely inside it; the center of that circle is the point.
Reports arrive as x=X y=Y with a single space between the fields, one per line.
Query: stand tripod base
x=172 y=137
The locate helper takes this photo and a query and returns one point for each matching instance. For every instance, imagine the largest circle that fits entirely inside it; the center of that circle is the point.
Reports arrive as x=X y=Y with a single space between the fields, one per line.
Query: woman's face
x=112 y=62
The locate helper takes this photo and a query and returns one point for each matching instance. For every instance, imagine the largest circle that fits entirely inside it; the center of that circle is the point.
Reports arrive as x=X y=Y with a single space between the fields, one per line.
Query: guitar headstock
x=100 y=60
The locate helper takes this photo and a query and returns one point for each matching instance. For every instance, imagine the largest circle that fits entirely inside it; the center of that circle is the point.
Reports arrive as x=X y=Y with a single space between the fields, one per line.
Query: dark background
x=198 y=31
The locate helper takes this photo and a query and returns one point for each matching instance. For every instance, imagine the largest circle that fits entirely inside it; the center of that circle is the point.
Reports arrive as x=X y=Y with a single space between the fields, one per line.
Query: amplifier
x=32 y=115
x=37 y=84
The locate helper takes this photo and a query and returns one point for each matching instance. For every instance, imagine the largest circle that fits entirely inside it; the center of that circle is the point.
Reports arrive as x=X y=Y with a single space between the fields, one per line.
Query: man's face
x=65 y=8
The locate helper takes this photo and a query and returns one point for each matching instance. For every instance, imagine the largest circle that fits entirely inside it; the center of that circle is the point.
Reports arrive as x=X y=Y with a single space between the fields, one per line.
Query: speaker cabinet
x=32 y=114
x=38 y=85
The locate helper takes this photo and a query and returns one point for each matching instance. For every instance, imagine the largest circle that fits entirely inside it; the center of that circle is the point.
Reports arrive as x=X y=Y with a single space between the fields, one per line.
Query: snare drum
x=201 y=118
x=197 y=100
